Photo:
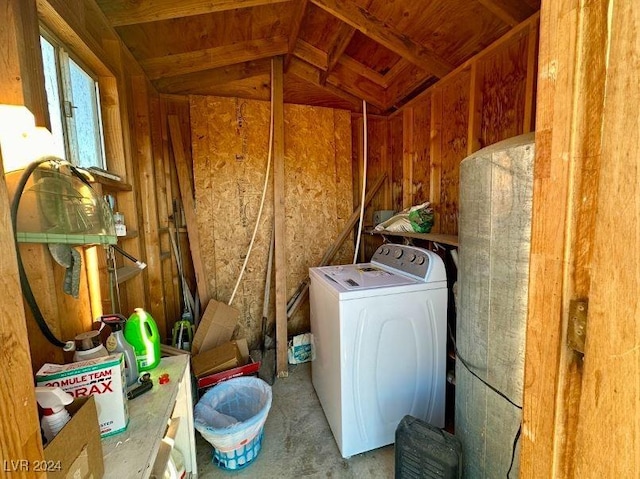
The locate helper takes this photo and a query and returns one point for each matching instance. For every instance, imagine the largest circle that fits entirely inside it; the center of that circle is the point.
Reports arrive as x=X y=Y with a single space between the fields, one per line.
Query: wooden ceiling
x=337 y=52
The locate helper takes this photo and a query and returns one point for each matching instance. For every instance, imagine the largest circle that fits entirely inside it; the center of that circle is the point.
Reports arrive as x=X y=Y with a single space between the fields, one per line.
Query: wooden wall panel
x=421 y=168
x=230 y=145
x=395 y=157
x=487 y=99
x=455 y=122
x=502 y=81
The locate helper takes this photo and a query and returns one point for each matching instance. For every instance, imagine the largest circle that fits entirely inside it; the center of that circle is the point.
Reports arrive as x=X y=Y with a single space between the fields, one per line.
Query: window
x=74 y=107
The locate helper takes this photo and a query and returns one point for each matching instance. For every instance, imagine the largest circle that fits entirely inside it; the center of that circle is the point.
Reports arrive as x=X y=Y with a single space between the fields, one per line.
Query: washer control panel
x=409 y=260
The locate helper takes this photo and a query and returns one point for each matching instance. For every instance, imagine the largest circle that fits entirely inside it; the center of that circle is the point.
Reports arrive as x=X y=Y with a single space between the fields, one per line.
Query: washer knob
x=420 y=260
x=398 y=253
x=412 y=257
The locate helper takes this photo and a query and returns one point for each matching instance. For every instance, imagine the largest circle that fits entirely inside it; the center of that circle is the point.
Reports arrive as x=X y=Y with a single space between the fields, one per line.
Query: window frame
x=63 y=55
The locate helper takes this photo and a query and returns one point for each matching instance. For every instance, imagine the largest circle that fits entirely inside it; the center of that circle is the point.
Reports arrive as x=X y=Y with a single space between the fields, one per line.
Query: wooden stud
x=475 y=109
x=561 y=392
x=186 y=193
x=296 y=24
x=407 y=157
x=149 y=225
x=436 y=157
x=126 y=12
x=216 y=57
x=279 y=218
x=362 y=70
x=19 y=426
x=532 y=69
x=386 y=35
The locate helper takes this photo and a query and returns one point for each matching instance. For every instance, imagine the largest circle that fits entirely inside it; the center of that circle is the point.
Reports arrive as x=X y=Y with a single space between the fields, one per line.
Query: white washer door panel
x=393 y=352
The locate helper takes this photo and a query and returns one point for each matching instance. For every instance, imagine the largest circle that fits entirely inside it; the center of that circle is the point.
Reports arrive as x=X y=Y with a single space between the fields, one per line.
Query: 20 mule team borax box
x=102 y=378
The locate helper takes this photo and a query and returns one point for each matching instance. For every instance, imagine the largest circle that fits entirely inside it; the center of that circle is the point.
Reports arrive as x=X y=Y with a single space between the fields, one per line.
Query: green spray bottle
x=141 y=332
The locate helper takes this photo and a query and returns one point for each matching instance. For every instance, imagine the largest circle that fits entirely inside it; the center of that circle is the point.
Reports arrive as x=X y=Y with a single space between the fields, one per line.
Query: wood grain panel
x=387 y=35
x=229 y=167
x=395 y=157
x=421 y=169
x=502 y=84
x=455 y=121
x=124 y=12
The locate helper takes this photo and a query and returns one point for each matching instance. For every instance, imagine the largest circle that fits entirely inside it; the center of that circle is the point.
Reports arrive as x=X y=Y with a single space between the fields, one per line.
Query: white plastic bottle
x=55 y=416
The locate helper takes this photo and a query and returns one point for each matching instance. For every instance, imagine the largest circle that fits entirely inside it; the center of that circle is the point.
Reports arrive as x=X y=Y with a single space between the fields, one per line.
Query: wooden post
x=408 y=153
x=279 y=217
x=19 y=428
x=186 y=193
x=436 y=157
x=147 y=184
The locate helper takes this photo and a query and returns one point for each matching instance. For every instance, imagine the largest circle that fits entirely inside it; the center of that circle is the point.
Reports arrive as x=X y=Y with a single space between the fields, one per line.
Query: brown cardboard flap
x=225 y=356
x=216 y=326
x=77 y=447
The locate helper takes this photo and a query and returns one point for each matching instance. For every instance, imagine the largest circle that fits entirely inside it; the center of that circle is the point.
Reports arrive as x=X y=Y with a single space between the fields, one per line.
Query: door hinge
x=577 y=327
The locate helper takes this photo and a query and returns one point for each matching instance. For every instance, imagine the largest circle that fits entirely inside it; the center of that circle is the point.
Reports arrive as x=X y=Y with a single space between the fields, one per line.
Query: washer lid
x=355 y=277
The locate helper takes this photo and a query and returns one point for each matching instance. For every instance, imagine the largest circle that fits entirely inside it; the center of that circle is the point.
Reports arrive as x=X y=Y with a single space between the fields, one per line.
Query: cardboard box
x=244 y=367
x=216 y=326
x=225 y=356
x=76 y=451
x=102 y=378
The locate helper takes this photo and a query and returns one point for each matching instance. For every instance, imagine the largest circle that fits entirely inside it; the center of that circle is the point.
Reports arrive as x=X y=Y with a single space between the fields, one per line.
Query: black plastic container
x=424 y=451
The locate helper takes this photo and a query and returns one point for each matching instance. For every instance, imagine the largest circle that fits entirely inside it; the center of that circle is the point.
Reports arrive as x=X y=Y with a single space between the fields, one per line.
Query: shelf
x=111 y=184
x=126 y=273
x=130 y=235
x=134 y=452
x=72 y=239
x=451 y=240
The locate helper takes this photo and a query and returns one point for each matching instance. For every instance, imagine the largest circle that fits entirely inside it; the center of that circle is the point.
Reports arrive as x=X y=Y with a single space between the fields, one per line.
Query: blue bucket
x=241 y=457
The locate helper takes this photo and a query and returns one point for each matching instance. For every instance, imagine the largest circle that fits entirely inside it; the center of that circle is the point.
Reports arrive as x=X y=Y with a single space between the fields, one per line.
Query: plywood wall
x=230 y=139
x=488 y=99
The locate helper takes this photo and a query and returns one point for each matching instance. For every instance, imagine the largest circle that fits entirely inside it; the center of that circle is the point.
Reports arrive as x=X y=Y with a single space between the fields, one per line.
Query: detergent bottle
x=116 y=343
x=141 y=331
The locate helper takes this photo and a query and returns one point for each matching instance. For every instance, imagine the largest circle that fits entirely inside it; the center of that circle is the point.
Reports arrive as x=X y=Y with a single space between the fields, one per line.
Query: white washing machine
x=380 y=339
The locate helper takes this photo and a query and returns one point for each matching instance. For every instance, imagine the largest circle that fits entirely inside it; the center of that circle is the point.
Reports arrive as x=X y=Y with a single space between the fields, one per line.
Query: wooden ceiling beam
x=357 y=85
x=340 y=44
x=310 y=54
x=386 y=35
x=198 y=82
x=128 y=12
x=296 y=23
x=511 y=13
x=362 y=70
x=311 y=74
x=210 y=58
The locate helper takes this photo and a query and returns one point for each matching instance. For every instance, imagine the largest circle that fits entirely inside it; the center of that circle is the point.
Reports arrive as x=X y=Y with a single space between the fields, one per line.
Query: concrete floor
x=298 y=442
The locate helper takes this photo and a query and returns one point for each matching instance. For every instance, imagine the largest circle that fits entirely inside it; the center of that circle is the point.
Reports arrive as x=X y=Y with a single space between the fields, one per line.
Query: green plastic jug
x=141 y=332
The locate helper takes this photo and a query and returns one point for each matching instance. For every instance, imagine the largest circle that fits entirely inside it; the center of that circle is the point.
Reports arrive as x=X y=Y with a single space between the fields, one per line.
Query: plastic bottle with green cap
x=141 y=332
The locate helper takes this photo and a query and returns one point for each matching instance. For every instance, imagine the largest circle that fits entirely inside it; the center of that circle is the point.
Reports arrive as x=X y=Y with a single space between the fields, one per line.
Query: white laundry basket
x=231 y=417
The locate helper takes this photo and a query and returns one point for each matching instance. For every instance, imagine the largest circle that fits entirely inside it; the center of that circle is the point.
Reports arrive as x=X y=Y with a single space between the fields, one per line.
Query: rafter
x=363 y=70
x=357 y=85
x=199 y=81
x=309 y=73
x=340 y=43
x=310 y=54
x=127 y=12
x=511 y=13
x=386 y=35
x=189 y=62
x=296 y=23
